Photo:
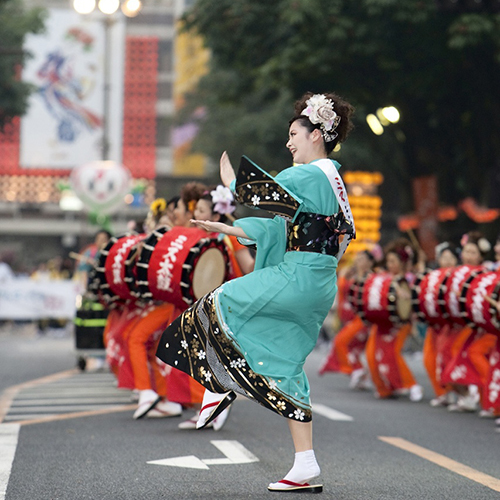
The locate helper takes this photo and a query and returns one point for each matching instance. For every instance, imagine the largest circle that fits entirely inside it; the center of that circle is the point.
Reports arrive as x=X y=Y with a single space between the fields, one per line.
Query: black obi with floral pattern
x=306 y=232
x=317 y=233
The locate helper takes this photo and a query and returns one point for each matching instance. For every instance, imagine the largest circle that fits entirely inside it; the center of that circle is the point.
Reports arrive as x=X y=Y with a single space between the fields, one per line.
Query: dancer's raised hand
x=227 y=174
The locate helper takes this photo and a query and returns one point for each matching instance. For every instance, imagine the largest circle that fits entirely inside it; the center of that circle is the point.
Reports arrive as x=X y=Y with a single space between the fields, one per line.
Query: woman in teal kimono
x=251 y=335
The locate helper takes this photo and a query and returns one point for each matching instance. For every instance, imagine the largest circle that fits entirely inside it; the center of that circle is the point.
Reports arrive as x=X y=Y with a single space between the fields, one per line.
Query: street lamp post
x=108 y=22
x=107 y=7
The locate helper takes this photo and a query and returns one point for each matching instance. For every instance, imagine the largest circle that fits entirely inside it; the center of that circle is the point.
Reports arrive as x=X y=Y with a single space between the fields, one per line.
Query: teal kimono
x=253 y=334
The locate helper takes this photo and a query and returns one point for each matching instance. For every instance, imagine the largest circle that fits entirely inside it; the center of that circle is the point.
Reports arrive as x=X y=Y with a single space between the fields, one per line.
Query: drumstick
x=413 y=238
x=492 y=302
x=79 y=256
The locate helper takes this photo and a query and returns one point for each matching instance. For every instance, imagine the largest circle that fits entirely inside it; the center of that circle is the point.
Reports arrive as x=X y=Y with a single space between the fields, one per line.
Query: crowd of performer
x=385 y=296
x=184 y=288
x=147 y=277
x=150 y=275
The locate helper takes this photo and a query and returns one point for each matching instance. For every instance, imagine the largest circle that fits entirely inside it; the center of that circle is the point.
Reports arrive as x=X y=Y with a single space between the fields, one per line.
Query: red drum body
x=347 y=309
x=479 y=312
x=428 y=297
x=453 y=292
x=181 y=265
x=114 y=268
x=354 y=295
x=380 y=301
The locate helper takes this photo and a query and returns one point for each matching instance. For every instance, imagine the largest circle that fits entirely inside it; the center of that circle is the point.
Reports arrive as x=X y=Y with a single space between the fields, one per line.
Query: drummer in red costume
x=217 y=205
x=438 y=337
x=390 y=374
x=349 y=343
x=143 y=337
x=472 y=347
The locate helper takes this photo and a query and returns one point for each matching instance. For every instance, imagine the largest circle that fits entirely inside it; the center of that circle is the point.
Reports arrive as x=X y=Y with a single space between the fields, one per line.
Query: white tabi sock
x=305 y=468
x=210 y=401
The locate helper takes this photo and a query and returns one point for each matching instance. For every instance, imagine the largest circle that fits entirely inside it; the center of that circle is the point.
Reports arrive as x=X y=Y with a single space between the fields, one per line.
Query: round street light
x=374 y=124
x=109 y=6
x=391 y=113
x=131 y=7
x=84 y=6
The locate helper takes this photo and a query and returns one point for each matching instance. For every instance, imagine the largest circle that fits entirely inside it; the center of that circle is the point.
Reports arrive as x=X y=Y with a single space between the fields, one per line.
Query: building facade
x=33 y=225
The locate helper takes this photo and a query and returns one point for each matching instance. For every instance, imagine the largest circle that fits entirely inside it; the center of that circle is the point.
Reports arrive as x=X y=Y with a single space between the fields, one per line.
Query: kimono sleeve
x=270 y=237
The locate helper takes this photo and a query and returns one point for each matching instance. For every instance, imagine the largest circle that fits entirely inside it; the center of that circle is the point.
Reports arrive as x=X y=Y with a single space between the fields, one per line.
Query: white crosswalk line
x=330 y=413
x=81 y=392
x=9 y=434
x=97 y=399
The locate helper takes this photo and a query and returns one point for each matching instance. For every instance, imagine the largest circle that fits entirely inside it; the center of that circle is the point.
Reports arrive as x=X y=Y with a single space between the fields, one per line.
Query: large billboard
x=64 y=126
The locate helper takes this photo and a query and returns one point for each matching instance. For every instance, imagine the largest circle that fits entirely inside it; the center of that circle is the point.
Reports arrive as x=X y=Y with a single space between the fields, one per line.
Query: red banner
x=425 y=197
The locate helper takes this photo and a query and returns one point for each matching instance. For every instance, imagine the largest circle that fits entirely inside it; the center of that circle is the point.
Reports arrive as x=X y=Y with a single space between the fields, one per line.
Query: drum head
x=209 y=272
x=403 y=304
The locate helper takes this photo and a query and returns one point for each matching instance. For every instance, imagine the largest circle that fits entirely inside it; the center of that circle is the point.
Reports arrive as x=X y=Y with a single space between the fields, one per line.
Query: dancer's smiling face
x=303 y=144
x=204 y=211
x=394 y=264
x=182 y=215
x=471 y=255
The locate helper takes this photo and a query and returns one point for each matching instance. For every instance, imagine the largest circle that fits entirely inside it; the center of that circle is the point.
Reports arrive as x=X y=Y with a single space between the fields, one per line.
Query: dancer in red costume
x=217 y=205
x=143 y=336
x=349 y=343
x=390 y=374
x=439 y=337
x=468 y=369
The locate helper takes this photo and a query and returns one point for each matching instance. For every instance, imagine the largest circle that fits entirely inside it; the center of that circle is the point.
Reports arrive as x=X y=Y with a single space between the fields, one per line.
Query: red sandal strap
x=209 y=405
x=291 y=483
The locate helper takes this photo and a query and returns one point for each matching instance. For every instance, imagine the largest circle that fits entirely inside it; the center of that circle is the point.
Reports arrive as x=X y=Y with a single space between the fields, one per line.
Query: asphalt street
x=91 y=448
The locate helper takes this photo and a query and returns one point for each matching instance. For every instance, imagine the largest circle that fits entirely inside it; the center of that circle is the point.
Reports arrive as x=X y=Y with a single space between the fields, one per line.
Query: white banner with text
x=26 y=299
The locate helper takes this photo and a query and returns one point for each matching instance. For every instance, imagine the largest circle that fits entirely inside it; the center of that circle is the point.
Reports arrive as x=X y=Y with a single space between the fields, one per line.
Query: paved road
x=368 y=449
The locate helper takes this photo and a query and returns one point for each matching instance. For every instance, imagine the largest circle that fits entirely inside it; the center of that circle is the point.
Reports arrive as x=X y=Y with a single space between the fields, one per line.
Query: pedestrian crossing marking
x=64 y=395
x=80 y=414
x=9 y=394
x=445 y=462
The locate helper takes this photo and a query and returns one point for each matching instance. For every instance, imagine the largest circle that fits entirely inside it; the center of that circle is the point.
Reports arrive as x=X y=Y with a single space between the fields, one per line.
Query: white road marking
x=50 y=397
x=9 y=434
x=97 y=399
x=187 y=462
x=235 y=453
x=330 y=413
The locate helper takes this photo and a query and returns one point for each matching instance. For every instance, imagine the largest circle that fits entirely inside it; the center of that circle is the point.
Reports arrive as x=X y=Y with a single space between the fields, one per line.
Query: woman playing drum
x=349 y=343
x=217 y=205
x=471 y=347
x=429 y=290
x=390 y=374
x=142 y=339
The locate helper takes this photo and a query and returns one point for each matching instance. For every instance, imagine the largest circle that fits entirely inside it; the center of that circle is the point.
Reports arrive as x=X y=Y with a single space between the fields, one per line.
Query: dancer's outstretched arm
x=219 y=227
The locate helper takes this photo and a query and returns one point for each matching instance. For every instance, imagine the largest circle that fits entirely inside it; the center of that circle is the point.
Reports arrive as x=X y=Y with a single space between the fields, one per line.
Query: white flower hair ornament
x=484 y=245
x=223 y=200
x=320 y=111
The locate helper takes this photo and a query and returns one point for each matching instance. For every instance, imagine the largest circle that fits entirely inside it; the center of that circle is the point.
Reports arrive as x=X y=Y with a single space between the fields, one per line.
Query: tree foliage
x=15 y=23
x=440 y=69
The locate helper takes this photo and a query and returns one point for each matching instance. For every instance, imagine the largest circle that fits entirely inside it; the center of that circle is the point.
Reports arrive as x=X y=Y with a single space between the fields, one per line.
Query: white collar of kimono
x=338 y=187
